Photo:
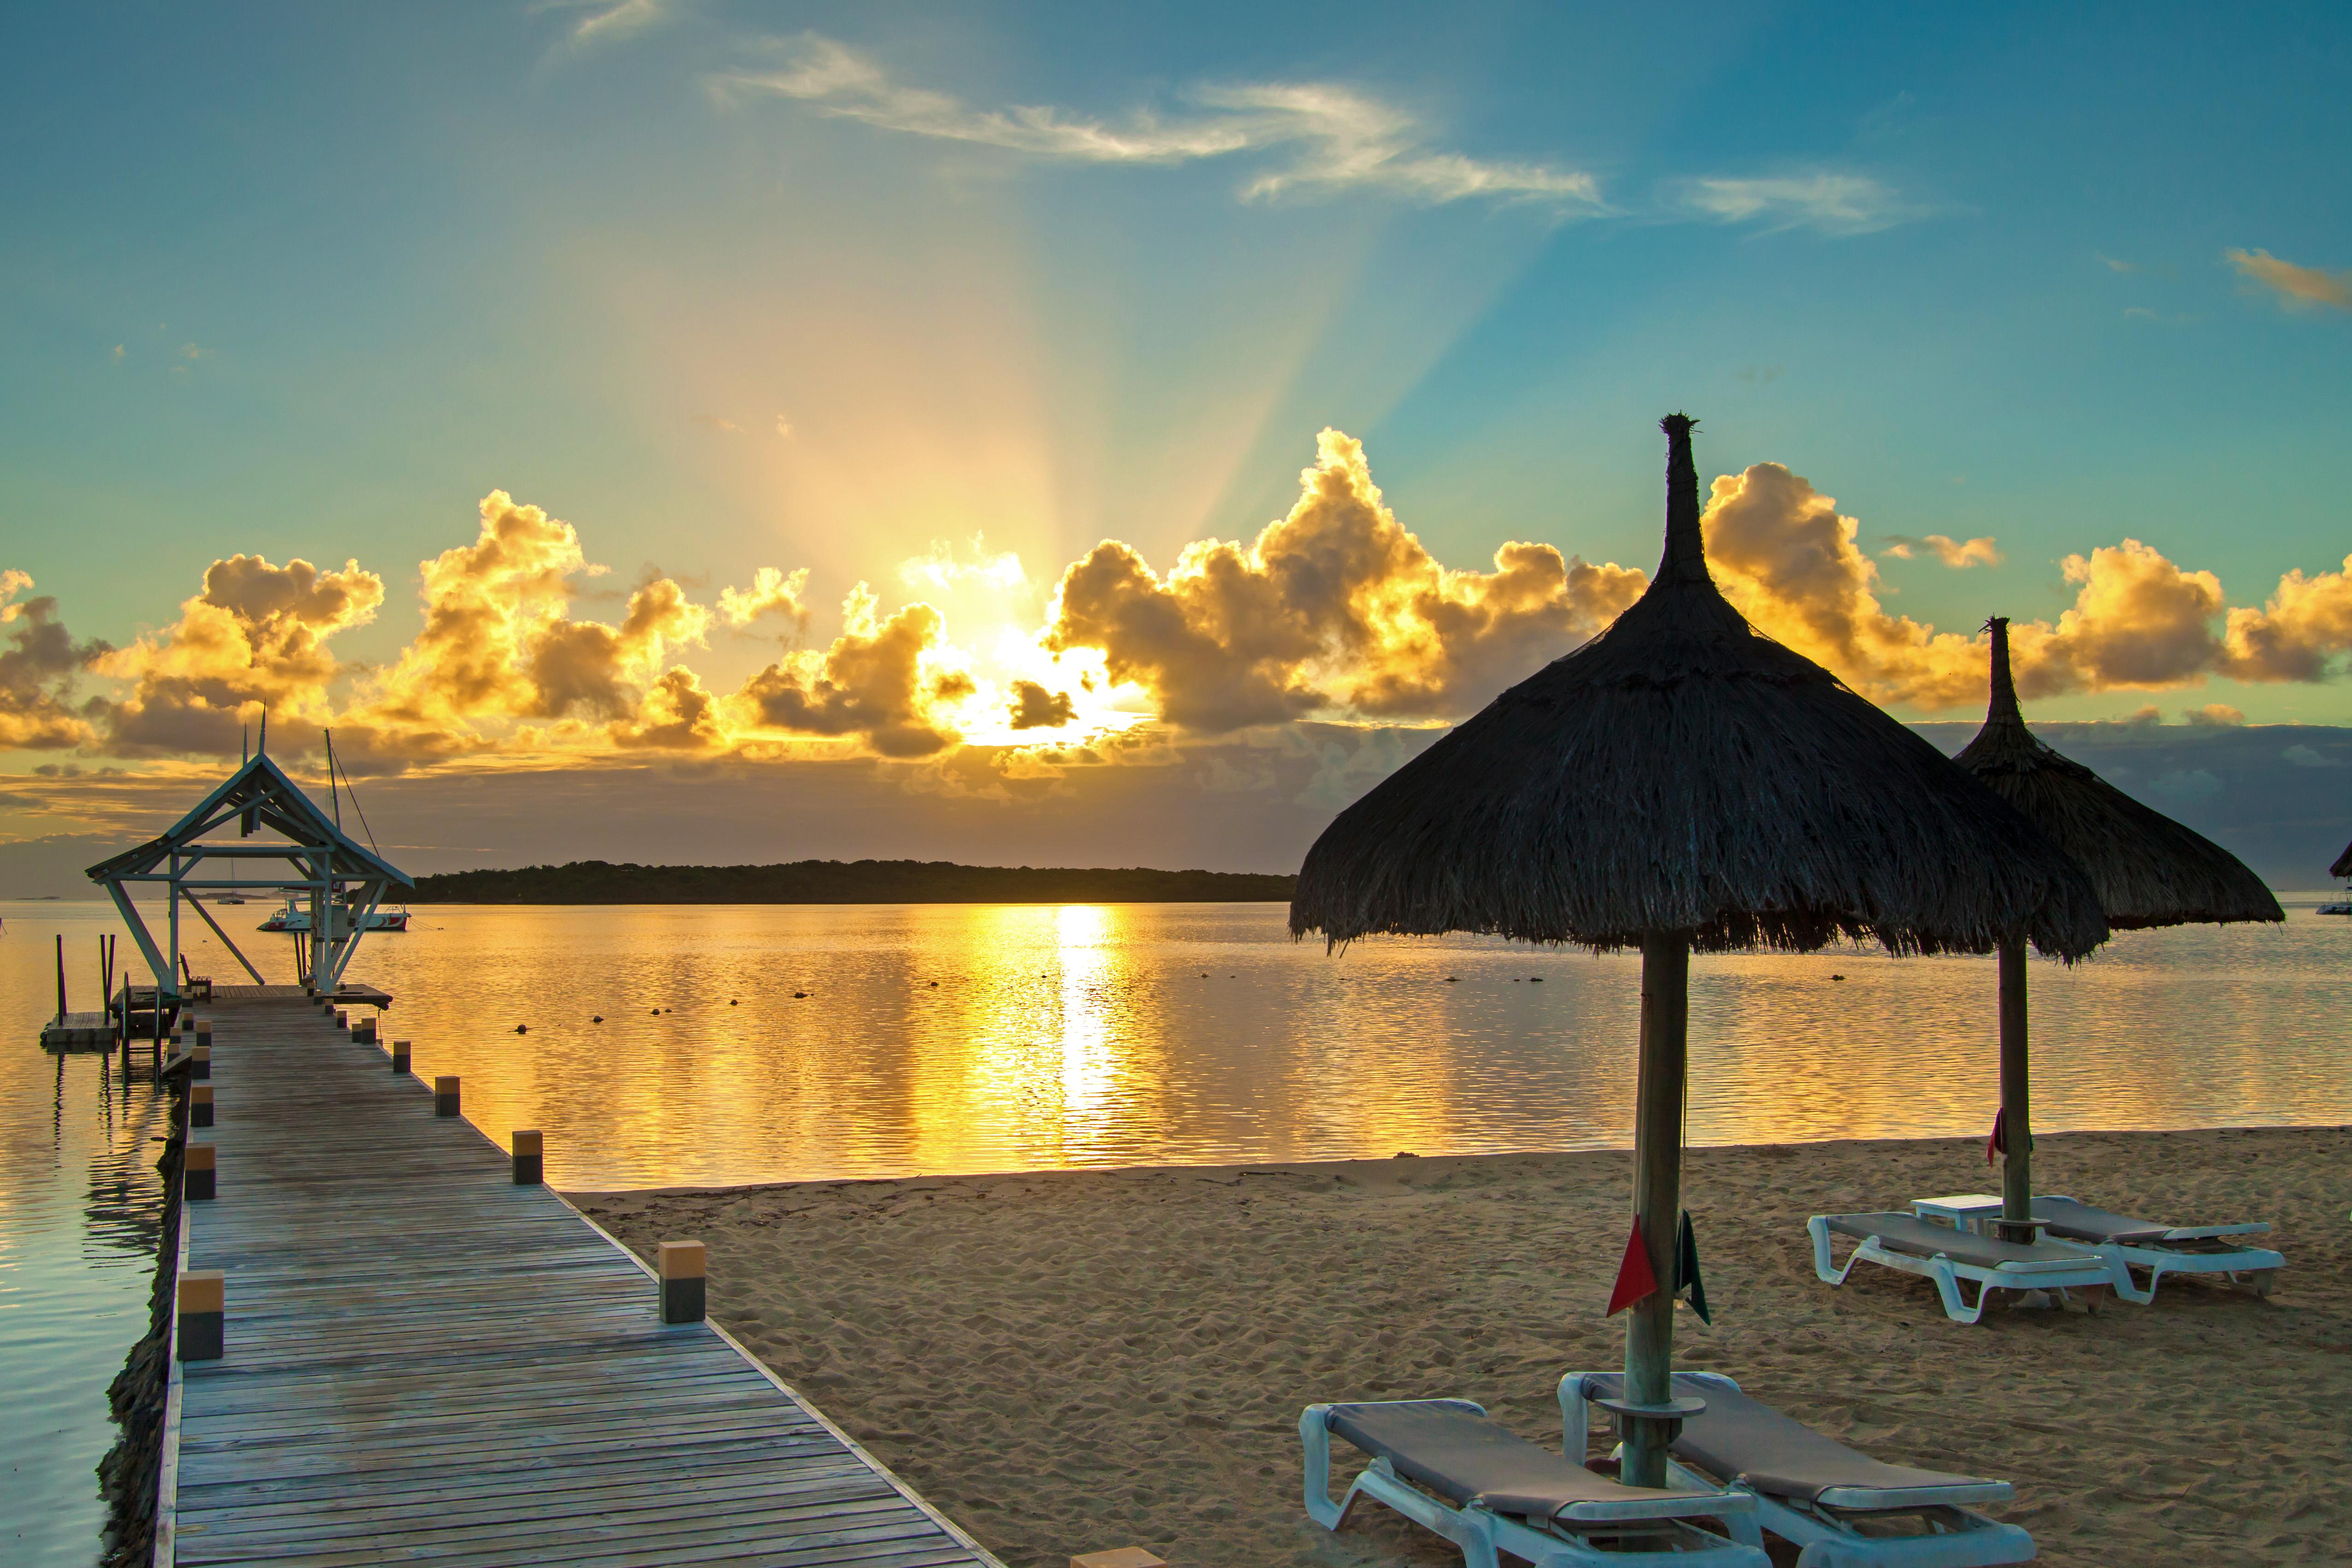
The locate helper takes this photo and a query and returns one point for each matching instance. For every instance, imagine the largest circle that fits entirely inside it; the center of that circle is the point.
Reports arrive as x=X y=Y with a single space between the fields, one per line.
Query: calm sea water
x=953 y=1038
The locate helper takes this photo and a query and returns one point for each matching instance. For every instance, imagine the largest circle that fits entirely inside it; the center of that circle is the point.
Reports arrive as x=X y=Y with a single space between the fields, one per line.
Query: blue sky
x=724 y=287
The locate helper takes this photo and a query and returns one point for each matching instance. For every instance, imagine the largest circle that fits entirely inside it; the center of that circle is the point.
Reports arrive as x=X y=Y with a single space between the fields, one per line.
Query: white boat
x=297 y=918
x=2341 y=906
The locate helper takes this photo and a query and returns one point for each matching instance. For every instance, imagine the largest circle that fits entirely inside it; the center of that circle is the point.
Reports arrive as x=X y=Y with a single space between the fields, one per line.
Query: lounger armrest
x=1709 y=1505
x=1868 y=1498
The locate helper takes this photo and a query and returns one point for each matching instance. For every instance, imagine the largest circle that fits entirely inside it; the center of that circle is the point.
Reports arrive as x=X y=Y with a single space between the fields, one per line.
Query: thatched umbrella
x=1683 y=782
x=2148 y=870
x=2342 y=866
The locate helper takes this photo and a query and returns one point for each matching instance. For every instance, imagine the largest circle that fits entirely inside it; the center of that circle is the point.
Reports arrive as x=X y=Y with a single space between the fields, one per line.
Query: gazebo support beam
x=1657 y=1196
x=2016 y=1099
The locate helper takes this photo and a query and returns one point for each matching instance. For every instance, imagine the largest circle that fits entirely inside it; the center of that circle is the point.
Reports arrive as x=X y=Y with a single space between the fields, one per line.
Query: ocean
x=770 y=1043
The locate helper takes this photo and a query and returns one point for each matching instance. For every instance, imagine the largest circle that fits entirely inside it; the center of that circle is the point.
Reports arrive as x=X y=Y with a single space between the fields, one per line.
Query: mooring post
x=400 y=1056
x=363 y=1030
x=682 y=1265
x=200 y=1104
x=200 y=1064
x=528 y=1168
x=61 y=979
x=202 y=1294
x=445 y=1096
x=199 y=1172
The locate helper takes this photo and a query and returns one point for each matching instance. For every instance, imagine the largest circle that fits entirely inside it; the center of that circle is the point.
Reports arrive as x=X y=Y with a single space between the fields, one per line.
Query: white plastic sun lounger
x=1948 y=1254
x=1443 y=1464
x=1841 y=1509
x=2160 y=1249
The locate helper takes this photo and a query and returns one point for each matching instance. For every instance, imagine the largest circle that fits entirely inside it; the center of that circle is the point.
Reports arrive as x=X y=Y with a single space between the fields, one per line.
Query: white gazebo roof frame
x=346 y=879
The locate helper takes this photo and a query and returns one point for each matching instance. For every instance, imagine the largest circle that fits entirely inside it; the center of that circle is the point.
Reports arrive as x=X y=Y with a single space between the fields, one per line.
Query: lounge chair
x=1948 y=1254
x=2160 y=1249
x=1443 y=1464
x=1841 y=1508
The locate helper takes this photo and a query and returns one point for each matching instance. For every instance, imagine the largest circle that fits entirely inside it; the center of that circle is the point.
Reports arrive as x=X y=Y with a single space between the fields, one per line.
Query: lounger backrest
x=1464 y=1456
x=2082 y=1222
x=1743 y=1439
x=1909 y=1233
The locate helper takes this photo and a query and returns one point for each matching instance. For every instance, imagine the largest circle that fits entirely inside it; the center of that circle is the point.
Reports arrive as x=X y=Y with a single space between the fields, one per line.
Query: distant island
x=847 y=882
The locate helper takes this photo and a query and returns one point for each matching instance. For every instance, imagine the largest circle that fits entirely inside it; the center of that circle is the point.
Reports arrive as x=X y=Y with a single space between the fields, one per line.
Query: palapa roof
x=1683 y=772
x=2342 y=866
x=2148 y=869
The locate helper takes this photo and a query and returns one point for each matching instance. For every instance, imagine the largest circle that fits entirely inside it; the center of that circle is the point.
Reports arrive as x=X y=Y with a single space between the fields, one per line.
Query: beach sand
x=1072 y=1361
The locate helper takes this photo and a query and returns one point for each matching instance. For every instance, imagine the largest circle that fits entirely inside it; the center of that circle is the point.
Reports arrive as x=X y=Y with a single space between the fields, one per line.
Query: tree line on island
x=846 y=881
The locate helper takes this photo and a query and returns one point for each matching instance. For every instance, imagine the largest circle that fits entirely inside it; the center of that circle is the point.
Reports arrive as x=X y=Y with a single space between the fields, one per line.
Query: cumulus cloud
x=1035 y=707
x=676 y=715
x=939 y=570
x=255 y=637
x=2215 y=715
x=1958 y=554
x=888 y=683
x=770 y=593
x=2295 y=287
x=1331 y=137
x=38 y=667
x=1827 y=201
x=1334 y=604
x=2297 y=635
x=500 y=643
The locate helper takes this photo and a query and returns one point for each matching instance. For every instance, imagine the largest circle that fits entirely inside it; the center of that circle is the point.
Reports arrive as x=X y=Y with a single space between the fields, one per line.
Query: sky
x=985 y=432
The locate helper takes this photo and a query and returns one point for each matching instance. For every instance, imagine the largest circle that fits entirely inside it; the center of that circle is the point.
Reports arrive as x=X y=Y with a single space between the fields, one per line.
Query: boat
x=2341 y=906
x=296 y=918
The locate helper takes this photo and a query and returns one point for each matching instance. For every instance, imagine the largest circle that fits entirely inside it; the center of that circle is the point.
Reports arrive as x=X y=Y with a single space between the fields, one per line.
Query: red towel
x=1636 y=1281
x=1998 y=1142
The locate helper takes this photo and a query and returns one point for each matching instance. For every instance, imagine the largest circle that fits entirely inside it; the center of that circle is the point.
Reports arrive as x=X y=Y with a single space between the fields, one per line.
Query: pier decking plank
x=428 y=1363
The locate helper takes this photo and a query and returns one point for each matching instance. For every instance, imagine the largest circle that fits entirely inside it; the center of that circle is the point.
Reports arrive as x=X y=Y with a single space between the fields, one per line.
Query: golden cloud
x=2296 y=288
x=38 y=671
x=883 y=682
x=1335 y=605
x=255 y=637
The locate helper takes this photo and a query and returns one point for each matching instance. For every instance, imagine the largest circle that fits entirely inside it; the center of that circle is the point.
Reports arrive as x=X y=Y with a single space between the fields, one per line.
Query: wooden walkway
x=428 y=1363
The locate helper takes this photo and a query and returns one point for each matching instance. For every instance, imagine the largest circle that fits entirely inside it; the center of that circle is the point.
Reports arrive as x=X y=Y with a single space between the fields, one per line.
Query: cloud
x=2309 y=756
x=723 y=426
x=499 y=644
x=2299 y=633
x=1960 y=555
x=1035 y=708
x=607 y=21
x=1334 y=137
x=770 y=593
x=1826 y=201
x=1787 y=558
x=2112 y=265
x=255 y=637
x=784 y=427
x=2295 y=287
x=38 y=668
x=2213 y=716
x=939 y=570
x=888 y=683
x=1334 y=605
x=677 y=714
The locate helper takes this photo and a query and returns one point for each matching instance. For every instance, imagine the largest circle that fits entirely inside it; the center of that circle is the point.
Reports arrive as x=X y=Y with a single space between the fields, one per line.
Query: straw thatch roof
x=2148 y=869
x=1683 y=772
x=2342 y=866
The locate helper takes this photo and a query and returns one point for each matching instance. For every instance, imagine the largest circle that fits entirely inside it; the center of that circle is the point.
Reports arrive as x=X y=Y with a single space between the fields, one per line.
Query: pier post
x=200 y=1105
x=200 y=1064
x=528 y=1164
x=682 y=1264
x=61 y=979
x=202 y=1296
x=205 y=1033
x=342 y=1020
x=199 y=1172
x=400 y=1056
x=364 y=1030
x=445 y=1096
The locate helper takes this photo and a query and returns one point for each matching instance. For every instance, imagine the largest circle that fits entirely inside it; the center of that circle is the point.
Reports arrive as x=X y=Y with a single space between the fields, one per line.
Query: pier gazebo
x=344 y=878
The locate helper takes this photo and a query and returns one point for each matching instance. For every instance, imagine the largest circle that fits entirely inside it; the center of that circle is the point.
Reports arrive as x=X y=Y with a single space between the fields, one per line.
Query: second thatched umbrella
x=1684 y=782
x=2148 y=870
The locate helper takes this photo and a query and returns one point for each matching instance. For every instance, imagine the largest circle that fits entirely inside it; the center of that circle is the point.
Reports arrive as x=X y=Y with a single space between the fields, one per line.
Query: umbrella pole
x=2016 y=1107
x=1657 y=1199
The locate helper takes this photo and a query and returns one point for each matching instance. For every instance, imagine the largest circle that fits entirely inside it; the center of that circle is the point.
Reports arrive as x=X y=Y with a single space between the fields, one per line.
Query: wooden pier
x=425 y=1362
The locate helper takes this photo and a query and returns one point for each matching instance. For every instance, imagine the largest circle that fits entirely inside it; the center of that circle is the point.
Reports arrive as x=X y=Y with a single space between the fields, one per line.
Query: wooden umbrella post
x=1657 y=1201
x=2016 y=1099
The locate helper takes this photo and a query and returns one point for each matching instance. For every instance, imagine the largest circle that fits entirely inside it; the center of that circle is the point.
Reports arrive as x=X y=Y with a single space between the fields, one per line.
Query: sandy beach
x=1065 y=1362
